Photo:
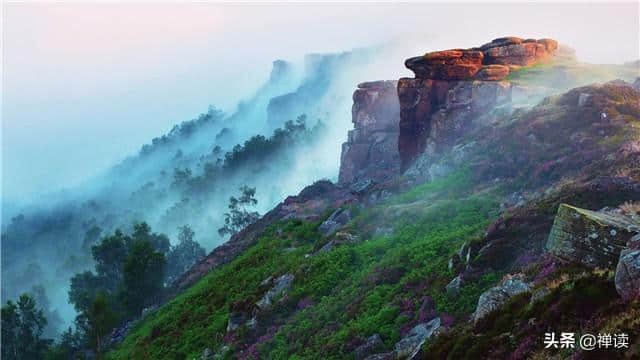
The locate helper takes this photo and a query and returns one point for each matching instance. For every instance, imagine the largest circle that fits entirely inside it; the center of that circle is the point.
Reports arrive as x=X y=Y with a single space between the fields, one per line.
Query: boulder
x=336 y=220
x=368 y=347
x=281 y=285
x=411 y=344
x=627 y=276
x=591 y=238
x=493 y=298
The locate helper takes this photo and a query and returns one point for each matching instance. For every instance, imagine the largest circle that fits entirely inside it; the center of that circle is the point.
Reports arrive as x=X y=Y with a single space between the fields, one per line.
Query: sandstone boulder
x=591 y=238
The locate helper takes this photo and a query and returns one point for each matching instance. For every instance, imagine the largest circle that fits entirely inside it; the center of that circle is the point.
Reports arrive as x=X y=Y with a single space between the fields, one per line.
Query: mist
x=107 y=105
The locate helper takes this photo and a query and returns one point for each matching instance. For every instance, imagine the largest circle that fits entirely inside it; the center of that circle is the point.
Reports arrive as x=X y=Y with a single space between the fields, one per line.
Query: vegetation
x=238 y=216
x=338 y=297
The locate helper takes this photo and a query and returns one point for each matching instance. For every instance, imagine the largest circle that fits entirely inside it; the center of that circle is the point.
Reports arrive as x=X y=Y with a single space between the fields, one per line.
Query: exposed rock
x=281 y=284
x=453 y=87
x=628 y=274
x=435 y=113
x=236 y=320
x=383 y=356
x=493 y=72
x=409 y=346
x=592 y=238
x=453 y=288
x=340 y=238
x=371 y=148
x=539 y=294
x=455 y=64
x=361 y=186
x=369 y=345
x=207 y=354
x=118 y=334
x=492 y=299
x=336 y=220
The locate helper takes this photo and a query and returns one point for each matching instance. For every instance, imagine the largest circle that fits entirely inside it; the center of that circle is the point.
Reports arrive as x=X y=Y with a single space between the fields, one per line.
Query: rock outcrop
x=280 y=285
x=628 y=274
x=491 y=299
x=591 y=238
x=452 y=89
x=371 y=148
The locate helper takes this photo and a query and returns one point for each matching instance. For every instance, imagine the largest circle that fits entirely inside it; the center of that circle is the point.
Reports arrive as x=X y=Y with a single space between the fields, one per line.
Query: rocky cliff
x=371 y=148
x=453 y=89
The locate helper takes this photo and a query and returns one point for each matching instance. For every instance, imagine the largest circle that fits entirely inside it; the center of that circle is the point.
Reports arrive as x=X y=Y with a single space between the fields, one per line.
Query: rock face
x=628 y=274
x=371 y=148
x=453 y=87
x=592 y=238
x=498 y=295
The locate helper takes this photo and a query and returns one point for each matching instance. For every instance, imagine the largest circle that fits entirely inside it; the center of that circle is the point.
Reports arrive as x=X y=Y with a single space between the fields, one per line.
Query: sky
x=86 y=84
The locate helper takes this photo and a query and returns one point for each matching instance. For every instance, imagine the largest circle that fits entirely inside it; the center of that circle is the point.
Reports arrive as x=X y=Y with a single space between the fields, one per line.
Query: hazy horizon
x=85 y=85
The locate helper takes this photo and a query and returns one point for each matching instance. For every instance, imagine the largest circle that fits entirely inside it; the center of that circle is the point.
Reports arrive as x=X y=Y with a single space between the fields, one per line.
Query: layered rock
x=371 y=148
x=454 y=88
x=592 y=238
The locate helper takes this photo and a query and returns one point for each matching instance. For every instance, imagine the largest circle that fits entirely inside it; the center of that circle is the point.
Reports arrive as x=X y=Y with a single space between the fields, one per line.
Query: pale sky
x=85 y=85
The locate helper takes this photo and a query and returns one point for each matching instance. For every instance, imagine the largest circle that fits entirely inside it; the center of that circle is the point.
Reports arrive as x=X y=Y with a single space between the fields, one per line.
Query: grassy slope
x=374 y=286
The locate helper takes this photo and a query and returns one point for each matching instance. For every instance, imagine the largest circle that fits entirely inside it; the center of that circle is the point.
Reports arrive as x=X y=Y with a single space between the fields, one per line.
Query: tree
x=84 y=288
x=91 y=237
x=239 y=217
x=109 y=256
x=183 y=255
x=142 y=232
x=143 y=277
x=101 y=319
x=22 y=326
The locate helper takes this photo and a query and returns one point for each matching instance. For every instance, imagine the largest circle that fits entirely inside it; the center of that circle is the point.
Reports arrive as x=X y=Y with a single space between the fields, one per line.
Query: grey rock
x=337 y=220
x=361 y=186
x=591 y=238
x=383 y=356
x=252 y=323
x=207 y=354
x=410 y=345
x=367 y=347
x=236 y=319
x=453 y=288
x=280 y=285
x=539 y=294
x=627 y=276
x=496 y=296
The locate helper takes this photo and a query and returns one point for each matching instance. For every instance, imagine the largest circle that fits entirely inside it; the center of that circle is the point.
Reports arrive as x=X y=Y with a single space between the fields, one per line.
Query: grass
x=339 y=297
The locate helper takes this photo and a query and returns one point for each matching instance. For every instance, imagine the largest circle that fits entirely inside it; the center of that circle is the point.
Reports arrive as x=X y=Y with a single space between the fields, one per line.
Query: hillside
x=489 y=200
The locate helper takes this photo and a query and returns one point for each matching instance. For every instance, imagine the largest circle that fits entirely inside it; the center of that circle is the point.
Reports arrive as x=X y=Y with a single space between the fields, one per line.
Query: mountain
x=487 y=202
x=276 y=141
